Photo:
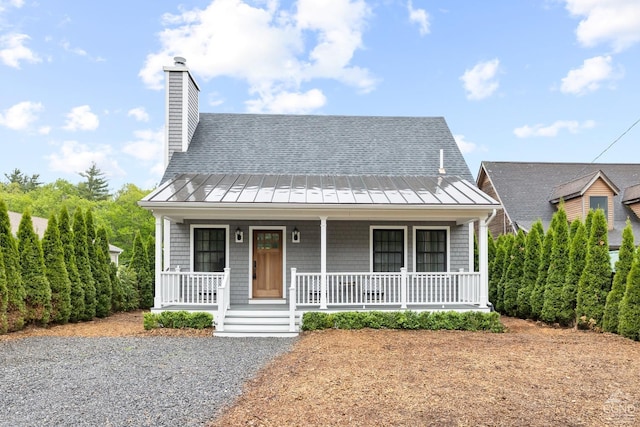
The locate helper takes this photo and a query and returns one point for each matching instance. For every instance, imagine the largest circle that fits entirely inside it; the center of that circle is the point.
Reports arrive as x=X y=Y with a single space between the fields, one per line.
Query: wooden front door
x=267 y=264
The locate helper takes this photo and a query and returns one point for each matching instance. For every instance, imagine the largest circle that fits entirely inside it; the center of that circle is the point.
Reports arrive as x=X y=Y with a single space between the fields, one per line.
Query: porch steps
x=258 y=323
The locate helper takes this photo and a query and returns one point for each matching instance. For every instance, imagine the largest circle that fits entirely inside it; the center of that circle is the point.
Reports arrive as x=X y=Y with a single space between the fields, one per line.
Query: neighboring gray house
x=531 y=191
x=262 y=217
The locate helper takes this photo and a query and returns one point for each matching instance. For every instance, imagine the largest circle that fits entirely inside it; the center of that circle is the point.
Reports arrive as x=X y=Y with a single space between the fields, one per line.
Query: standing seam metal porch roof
x=320 y=189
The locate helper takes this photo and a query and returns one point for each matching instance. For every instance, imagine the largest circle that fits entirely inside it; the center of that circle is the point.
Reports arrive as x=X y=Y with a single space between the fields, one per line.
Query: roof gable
x=631 y=194
x=578 y=186
x=317 y=145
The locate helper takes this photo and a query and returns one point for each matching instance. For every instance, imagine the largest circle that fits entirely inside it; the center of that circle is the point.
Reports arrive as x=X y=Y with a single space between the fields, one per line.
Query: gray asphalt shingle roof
x=524 y=189
x=319 y=145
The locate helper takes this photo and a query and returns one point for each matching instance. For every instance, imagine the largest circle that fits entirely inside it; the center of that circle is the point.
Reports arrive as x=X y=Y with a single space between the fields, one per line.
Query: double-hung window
x=600 y=202
x=209 y=249
x=388 y=249
x=431 y=250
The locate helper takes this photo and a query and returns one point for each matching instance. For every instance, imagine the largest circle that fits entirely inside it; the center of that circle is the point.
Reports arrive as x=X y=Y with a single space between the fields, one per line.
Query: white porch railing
x=224 y=299
x=186 y=288
x=380 y=289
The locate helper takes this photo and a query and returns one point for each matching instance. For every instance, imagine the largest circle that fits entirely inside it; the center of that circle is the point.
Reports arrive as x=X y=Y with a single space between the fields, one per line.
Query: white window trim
x=282 y=228
x=226 y=242
x=432 y=227
x=387 y=227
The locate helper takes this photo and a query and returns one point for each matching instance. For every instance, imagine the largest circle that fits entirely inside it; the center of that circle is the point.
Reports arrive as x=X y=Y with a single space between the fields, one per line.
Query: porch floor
x=331 y=308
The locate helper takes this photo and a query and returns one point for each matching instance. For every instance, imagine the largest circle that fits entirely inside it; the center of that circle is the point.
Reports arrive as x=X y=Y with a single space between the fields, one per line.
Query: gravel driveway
x=151 y=381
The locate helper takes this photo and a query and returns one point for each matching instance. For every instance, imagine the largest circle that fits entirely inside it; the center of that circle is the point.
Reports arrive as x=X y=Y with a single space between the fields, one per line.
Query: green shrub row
x=436 y=320
x=178 y=320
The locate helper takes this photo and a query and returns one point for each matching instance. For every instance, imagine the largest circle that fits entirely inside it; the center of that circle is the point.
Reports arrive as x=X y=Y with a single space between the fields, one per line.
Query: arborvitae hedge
x=102 y=246
x=38 y=291
x=629 y=315
x=508 y=242
x=623 y=266
x=16 y=293
x=98 y=270
x=77 y=290
x=577 y=255
x=558 y=267
x=513 y=276
x=56 y=272
x=129 y=283
x=4 y=297
x=532 y=254
x=537 y=296
x=140 y=263
x=596 y=276
x=84 y=267
x=150 y=249
x=495 y=273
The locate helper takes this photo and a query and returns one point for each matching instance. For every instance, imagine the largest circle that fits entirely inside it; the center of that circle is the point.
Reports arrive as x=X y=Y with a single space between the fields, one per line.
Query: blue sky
x=546 y=80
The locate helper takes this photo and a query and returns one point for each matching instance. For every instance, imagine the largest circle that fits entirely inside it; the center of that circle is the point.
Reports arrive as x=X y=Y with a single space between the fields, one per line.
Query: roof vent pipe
x=442 y=170
x=180 y=61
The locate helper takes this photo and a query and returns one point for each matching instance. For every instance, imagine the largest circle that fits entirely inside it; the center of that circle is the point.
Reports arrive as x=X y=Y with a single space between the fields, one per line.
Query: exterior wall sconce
x=295 y=235
x=239 y=235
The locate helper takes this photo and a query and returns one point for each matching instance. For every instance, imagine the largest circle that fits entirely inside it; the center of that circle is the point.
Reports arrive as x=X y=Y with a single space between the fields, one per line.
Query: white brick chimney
x=181 y=107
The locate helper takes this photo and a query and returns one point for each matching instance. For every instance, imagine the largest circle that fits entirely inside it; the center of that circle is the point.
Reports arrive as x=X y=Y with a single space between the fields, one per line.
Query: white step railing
x=224 y=299
x=380 y=289
x=189 y=288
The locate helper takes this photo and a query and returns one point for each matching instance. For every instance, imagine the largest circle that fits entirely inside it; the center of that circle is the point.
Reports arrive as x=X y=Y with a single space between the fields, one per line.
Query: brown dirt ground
x=532 y=375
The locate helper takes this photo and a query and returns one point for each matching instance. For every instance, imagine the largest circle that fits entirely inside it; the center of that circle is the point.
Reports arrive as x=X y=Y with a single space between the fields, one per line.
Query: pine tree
x=83 y=264
x=596 y=276
x=96 y=186
x=56 y=273
x=4 y=297
x=105 y=295
x=77 y=289
x=558 y=268
x=532 y=254
x=140 y=264
x=513 y=277
x=495 y=274
x=38 y=291
x=623 y=266
x=508 y=243
x=537 y=295
x=629 y=315
x=16 y=309
x=100 y=276
x=577 y=257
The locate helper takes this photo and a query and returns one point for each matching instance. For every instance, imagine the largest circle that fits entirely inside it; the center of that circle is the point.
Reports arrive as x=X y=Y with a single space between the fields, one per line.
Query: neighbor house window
x=388 y=249
x=431 y=250
x=600 y=202
x=209 y=249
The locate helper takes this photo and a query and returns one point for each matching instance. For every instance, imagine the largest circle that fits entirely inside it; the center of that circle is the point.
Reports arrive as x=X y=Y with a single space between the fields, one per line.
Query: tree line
x=68 y=276
x=564 y=276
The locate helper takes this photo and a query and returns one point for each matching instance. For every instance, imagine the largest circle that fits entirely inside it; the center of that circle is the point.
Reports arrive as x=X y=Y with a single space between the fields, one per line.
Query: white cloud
x=44 y=130
x=315 y=40
x=616 y=22
x=573 y=126
x=480 y=82
x=589 y=77
x=13 y=50
x=288 y=102
x=14 y=3
x=76 y=50
x=74 y=157
x=464 y=145
x=81 y=118
x=148 y=145
x=21 y=115
x=420 y=17
x=139 y=114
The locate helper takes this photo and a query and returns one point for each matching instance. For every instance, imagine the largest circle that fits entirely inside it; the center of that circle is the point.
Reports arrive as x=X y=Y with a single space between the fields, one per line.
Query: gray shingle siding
x=175 y=112
x=348 y=248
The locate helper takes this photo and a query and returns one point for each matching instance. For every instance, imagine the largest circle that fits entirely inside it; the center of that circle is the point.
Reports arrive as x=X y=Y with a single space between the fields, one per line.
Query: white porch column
x=157 y=299
x=471 y=254
x=167 y=245
x=323 y=262
x=483 y=255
